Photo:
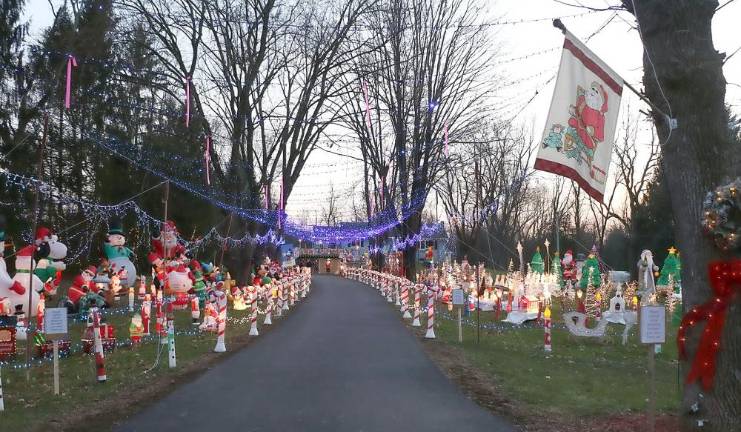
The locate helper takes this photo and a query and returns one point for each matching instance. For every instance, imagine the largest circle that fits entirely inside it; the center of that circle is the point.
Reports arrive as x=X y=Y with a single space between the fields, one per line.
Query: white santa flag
x=577 y=142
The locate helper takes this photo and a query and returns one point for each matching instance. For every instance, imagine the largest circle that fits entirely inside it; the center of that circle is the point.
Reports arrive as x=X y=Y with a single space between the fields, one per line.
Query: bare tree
x=329 y=210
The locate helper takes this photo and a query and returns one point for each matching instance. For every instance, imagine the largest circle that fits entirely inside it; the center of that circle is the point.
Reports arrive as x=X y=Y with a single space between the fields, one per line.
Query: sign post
x=459 y=300
x=653 y=331
x=55 y=327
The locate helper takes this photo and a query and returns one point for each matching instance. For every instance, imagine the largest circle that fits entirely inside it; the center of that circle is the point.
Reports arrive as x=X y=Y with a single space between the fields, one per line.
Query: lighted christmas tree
x=556 y=269
x=671 y=271
x=536 y=264
x=592 y=298
x=592 y=275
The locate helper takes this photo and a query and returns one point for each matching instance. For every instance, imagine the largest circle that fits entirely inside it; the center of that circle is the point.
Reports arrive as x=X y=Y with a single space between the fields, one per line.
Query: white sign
x=458 y=297
x=653 y=325
x=55 y=321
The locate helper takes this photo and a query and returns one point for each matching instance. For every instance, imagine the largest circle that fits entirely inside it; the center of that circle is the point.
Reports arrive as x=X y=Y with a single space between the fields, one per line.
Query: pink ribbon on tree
x=367 y=105
x=71 y=61
x=187 y=101
x=207 y=159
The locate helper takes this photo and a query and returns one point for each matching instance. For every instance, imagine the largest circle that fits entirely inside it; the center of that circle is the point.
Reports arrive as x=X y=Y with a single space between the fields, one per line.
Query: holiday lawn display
x=118 y=255
x=49 y=252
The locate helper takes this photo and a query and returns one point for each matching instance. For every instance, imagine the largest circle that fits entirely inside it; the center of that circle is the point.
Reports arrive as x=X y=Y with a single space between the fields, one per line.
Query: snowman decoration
x=119 y=256
x=23 y=282
x=50 y=253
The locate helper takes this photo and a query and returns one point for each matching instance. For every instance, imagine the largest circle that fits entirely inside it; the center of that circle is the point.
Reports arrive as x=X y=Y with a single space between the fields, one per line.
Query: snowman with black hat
x=118 y=254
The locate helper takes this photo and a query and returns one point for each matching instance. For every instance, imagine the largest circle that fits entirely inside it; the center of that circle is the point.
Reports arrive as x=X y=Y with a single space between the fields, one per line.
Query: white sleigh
x=576 y=324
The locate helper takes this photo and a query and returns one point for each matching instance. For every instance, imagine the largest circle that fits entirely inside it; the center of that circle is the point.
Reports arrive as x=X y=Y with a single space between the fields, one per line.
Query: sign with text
x=55 y=321
x=458 y=297
x=653 y=325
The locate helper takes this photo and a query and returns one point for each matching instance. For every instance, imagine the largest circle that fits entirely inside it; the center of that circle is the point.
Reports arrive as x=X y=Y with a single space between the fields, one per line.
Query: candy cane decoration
x=221 y=320
x=279 y=298
x=417 y=304
x=98 y=347
x=207 y=159
x=397 y=293
x=171 y=336
x=71 y=62
x=253 y=312
x=268 y=309
x=146 y=313
x=292 y=293
x=547 y=330
x=430 y=314
x=195 y=311
x=160 y=324
x=284 y=296
x=405 y=302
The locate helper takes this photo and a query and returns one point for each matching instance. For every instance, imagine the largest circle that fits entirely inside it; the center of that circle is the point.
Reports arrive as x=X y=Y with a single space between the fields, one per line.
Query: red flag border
x=592 y=66
x=568 y=172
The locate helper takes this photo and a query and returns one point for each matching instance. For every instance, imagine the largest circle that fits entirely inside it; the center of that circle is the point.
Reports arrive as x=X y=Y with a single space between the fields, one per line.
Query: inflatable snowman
x=11 y=292
x=22 y=281
x=119 y=255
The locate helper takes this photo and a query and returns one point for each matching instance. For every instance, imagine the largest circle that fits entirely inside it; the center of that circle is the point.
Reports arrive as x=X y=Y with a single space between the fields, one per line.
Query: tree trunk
x=697 y=157
x=414 y=223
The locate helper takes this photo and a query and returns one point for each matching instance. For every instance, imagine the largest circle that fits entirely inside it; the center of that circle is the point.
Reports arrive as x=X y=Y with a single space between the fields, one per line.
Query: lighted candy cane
x=417 y=304
x=253 y=312
x=207 y=159
x=71 y=62
x=292 y=293
x=405 y=302
x=284 y=295
x=279 y=307
x=221 y=302
x=98 y=347
x=268 y=308
x=430 y=314
x=397 y=293
x=171 y=336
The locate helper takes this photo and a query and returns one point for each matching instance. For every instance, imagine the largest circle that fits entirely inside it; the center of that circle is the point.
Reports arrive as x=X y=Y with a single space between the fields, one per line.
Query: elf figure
x=118 y=255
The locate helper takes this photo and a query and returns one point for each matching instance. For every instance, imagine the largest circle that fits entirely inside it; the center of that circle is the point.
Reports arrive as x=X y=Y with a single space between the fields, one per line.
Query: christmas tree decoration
x=671 y=272
x=722 y=217
x=590 y=273
x=536 y=263
x=556 y=270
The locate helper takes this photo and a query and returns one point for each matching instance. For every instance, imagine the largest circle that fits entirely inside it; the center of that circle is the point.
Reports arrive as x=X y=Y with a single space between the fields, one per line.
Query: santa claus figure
x=119 y=256
x=81 y=285
x=166 y=245
x=23 y=281
x=568 y=265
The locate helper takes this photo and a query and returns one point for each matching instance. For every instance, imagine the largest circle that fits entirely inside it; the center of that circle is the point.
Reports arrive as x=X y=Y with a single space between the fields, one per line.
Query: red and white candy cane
x=98 y=347
x=253 y=312
x=417 y=305
x=221 y=301
x=268 y=307
x=430 y=314
x=405 y=301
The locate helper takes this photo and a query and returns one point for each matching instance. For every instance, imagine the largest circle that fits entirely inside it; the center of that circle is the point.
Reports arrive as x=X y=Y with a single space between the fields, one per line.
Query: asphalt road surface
x=342 y=361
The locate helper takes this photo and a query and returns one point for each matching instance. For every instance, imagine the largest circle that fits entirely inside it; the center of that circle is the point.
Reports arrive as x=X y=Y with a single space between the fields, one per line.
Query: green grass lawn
x=579 y=377
x=31 y=405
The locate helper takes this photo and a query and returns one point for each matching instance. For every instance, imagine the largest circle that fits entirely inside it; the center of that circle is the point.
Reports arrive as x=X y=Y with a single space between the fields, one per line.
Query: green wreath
x=722 y=216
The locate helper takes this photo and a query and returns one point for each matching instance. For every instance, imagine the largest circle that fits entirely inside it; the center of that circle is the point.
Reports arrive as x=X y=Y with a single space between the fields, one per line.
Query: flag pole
x=672 y=123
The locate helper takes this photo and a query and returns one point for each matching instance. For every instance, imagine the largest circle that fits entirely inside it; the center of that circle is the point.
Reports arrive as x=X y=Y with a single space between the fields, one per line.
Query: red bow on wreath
x=725 y=278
